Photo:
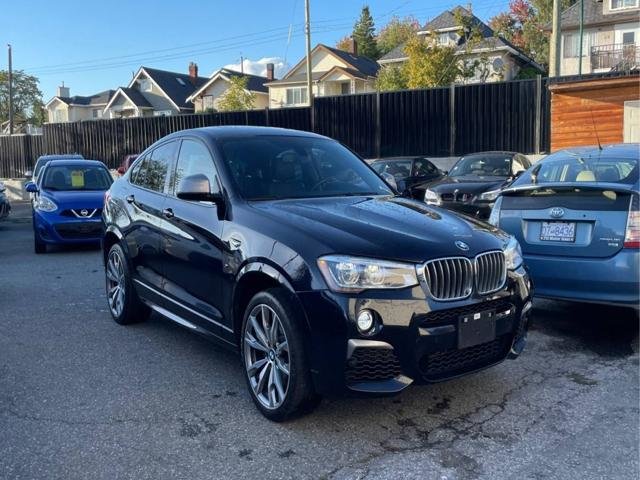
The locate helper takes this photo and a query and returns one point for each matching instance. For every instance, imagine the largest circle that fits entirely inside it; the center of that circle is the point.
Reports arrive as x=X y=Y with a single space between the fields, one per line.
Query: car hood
x=393 y=228
x=468 y=184
x=77 y=199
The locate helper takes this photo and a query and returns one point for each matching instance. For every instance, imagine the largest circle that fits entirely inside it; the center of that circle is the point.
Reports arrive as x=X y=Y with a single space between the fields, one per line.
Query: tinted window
x=152 y=173
x=76 y=177
x=194 y=158
x=486 y=165
x=423 y=167
x=274 y=167
x=563 y=168
x=399 y=169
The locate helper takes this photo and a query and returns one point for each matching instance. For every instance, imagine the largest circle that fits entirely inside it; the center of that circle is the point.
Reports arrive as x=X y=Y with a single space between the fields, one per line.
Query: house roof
x=357 y=66
x=133 y=95
x=101 y=98
x=594 y=15
x=447 y=20
x=177 y=86
x=255 y=83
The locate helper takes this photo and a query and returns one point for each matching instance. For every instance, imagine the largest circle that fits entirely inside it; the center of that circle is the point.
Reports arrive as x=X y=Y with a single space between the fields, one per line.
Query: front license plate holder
x=476 y=328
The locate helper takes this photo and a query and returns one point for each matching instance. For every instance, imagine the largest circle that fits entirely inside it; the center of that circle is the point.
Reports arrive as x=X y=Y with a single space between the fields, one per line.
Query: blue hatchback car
x=576 y=214
x=67 y=207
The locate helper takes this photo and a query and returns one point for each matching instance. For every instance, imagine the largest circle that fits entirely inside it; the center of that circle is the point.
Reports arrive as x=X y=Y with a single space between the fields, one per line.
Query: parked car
x=5 y=204
x=410 y=174
x=127 y=161
x=577 y=216
x=68 y=202
x=475 y=181
x=43 y=160
x=284 y=245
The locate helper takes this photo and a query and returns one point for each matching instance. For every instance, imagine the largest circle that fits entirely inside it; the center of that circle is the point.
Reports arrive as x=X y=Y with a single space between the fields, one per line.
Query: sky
x=93 y=46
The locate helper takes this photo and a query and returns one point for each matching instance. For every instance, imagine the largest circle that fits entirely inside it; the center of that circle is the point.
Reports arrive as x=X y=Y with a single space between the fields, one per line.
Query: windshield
x=566 y=168
x=493 y=165
x=76 y=177
x=279 y=167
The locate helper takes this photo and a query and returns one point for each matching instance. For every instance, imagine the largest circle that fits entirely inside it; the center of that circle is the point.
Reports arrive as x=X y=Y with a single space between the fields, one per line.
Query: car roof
x=76 y=162
x=400 y=159
x=492 y=152
x=60 y=156
x=619 y=150
x=234 y=131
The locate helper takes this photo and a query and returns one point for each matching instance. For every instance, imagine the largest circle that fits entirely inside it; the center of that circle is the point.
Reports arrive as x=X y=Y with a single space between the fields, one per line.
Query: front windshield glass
x=280 y=167
x=492 y=165
x=567 y=168
x=76 y=177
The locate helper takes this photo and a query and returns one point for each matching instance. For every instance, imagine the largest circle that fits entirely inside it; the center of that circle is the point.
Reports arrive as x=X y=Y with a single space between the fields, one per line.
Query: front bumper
x=58 y=229
x=614 y=280
x=418 y=341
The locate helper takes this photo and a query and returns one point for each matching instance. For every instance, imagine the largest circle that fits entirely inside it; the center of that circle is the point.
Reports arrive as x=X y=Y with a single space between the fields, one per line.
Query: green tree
x=429 y=64
x=395 y=33
x=391 y=77
x=237 y=97
x=364 y=35
x=27 y=97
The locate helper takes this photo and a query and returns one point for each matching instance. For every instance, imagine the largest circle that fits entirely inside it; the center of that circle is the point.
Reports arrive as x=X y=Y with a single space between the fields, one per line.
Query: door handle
x=168 y=212
x=130 y=199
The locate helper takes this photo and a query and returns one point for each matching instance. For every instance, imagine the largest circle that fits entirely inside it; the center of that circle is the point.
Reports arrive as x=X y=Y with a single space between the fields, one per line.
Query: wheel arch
x=111 y=237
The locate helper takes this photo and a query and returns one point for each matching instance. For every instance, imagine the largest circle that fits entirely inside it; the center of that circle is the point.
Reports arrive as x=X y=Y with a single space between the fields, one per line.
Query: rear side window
x=194 y=158
x=423 y=167
x=152 y=172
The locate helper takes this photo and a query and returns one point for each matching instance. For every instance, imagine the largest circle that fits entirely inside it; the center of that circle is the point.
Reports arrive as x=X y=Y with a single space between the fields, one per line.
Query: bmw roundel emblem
x=556 y=212
x=461 y=245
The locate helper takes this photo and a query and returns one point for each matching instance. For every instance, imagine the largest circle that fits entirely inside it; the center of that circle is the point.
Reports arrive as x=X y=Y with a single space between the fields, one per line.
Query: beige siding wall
x=217 y=90
x=58 y=112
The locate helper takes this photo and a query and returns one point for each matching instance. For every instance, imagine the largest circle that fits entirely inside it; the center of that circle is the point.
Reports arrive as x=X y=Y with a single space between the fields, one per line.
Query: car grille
x=453 y=278
x=500 y=306
x=368 y=364
x=77 y=212
x=459 y=197
x=79 y=230
x=449 y=363
x=491 y=272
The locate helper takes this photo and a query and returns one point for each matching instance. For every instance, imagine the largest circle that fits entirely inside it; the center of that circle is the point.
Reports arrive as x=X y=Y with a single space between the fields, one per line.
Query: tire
x=38 y=245
x=267 y=355
x=124 y=304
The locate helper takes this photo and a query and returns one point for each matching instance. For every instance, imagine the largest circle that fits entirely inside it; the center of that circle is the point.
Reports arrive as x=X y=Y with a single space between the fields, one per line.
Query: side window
x=137 y=172
x=517 y=164
x=194 y=158
x=153 y=172
x=423 y=168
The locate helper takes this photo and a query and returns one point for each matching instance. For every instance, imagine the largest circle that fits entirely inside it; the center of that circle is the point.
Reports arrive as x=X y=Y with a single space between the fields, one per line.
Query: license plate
x=476 y=328
x=558 y=232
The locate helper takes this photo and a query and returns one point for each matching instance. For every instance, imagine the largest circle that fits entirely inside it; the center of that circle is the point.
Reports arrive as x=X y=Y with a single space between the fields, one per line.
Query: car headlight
x=431 y=197
x=45 y=204
x=494 y=218
x=489 y=196
x=353 y=274
x=513 y=254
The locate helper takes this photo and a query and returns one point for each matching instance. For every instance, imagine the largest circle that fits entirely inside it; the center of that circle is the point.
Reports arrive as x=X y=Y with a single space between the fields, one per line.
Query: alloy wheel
x=266 y=355
x=115 y=283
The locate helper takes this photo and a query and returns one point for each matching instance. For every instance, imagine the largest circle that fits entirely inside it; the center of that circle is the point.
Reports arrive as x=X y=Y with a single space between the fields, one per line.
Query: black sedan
x=287 y=247
x=410 y=174
x=475 y=181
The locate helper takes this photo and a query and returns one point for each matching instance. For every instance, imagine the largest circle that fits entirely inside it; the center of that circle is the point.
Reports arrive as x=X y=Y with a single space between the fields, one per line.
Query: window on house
x=629 y=38
x=59 y=115
x=207 y=102
x=345 y=88
x=570 y=46
x=145 y=84
x=297 y=96
x=620 y=4
x=96 y=113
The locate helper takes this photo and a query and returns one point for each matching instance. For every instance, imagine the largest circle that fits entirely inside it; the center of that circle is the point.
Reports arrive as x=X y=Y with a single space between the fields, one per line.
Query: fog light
x=365 y=321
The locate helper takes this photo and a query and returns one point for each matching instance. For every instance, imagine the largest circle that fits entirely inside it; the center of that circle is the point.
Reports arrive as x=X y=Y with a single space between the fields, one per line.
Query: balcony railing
x=615 y=56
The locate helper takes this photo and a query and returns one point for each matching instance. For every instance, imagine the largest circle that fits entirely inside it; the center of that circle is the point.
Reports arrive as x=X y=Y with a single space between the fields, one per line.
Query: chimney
x=270 y=75
x=193 y=72
x=353 y=46
x=62 y=91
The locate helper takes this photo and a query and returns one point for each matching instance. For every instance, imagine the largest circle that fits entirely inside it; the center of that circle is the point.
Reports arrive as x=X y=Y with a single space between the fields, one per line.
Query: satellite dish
x=498 y=63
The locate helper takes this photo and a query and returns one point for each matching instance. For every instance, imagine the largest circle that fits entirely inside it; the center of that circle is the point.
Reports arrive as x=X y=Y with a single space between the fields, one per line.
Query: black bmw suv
x=287 y=247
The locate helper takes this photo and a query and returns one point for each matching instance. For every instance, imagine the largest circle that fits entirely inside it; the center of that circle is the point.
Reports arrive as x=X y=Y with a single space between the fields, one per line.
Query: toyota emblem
x=461 y=245
x=557 y=212
x=84 y=212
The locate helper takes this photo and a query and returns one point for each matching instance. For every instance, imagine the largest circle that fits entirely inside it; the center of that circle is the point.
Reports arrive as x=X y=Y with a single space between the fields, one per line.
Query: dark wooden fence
x=434 y=122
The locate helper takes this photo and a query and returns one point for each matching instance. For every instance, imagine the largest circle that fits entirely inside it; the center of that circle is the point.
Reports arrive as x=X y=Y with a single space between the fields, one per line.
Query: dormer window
x=145 y=84
x=622 y=4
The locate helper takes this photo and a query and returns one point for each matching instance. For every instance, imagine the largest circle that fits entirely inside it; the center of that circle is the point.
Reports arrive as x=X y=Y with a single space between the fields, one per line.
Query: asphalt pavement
x=84 y=398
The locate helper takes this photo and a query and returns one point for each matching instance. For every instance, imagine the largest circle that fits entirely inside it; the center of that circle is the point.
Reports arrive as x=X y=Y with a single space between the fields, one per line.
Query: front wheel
x=124 y=304
x=273 y=355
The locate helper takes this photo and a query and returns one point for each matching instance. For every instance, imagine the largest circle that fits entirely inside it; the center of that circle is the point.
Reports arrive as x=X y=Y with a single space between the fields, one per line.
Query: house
x=333 y=72
x=611 y=31
x=501 y=60
x=65 y=108
x=154 y=92
x=206 y=97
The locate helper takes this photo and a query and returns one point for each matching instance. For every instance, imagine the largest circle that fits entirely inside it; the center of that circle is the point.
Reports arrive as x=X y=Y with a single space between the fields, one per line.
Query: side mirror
x=390 y=179
x=28 y=174
x=518 y=173
x=197 y=188
x=31 y=187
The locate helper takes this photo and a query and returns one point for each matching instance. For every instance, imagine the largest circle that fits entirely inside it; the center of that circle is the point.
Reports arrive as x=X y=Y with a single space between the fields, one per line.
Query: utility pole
x=581 y=37
x=307 y=31
x=10 y=92
x=554 y=47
